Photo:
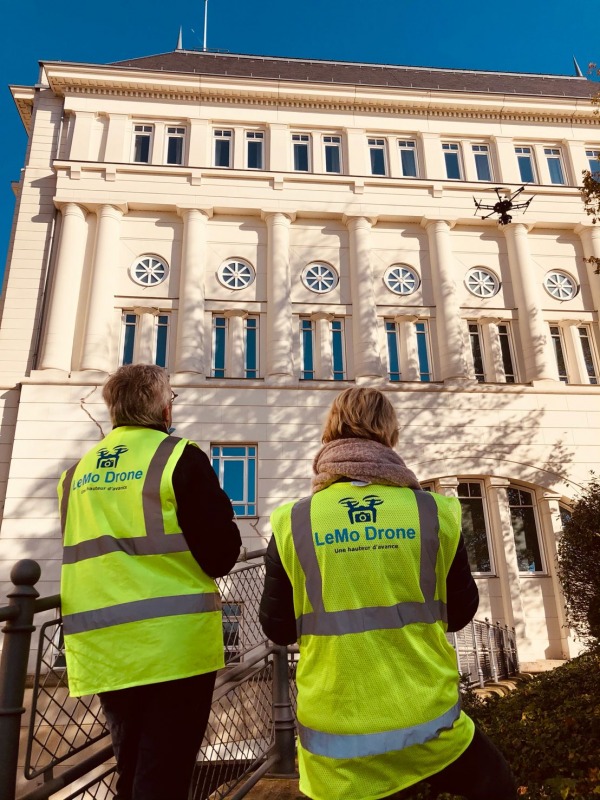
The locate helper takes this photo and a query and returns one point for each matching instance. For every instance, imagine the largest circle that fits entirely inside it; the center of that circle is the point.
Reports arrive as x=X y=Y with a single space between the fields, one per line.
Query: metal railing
x=251 y=728
x=485 y=652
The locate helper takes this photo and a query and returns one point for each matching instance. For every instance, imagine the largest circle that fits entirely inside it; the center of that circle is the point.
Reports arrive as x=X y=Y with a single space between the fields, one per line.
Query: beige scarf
x=360 y=460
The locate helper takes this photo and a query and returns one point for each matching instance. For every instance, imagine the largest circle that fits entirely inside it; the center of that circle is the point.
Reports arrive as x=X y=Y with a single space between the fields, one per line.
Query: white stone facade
x=486 y=405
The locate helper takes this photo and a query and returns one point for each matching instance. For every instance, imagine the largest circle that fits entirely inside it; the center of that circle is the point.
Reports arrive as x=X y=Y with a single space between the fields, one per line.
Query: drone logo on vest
x=107 y=460
x=364 y=511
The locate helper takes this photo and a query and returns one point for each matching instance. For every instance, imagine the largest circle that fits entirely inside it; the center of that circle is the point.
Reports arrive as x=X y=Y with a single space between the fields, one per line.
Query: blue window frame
x=391 y=332
x=235 y=466
x=162 y=340
x=452 y=159
x=219 y=346
x=130 y=323
x=525 y=162
x=307 y=343
x=555 y=166
x=482 y=162
x=251 y=347
x=337 y=348
x=408 y=158
x=423 y=352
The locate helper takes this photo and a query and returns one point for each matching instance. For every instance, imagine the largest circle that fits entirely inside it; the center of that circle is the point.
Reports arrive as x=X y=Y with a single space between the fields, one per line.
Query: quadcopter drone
x=503 y=206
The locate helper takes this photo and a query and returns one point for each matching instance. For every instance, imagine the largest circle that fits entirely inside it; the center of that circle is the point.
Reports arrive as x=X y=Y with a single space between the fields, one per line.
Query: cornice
x=24 y=97
x=73 y=81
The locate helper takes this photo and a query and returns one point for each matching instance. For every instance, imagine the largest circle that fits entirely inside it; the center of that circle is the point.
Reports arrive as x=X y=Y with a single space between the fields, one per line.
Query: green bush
x=549 y=731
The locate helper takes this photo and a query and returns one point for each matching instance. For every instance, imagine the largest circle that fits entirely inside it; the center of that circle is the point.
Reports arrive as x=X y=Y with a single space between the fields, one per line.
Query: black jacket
x=277 y=603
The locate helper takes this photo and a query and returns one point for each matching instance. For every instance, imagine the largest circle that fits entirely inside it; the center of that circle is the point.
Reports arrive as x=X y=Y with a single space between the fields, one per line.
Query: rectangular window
x=525 y=162
x=588 y=354
x=555 y=166
x=506 y=351
x=301 y=148
x=161 y=340
x=332 y=150
x=525 y=532
x=474 y=526
x=594 y=162
x=255 y=149
x=130 y=324
x=377 y=156
x=477 y=351
x=391 y=332
x=307 y=344
x=423 y=352
x=408 y=158
x=251 y=347
x=219 y=346
x=223 y=147
x=142 y=140
x=452 y=159
x=559 y=352
x=235 y=466
x=482 y=162
x=175 y=142
x=232 y=617
x=337 y=349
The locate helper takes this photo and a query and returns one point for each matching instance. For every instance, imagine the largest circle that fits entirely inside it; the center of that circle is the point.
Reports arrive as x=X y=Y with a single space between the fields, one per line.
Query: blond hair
x=361 y=414
x=137 y=394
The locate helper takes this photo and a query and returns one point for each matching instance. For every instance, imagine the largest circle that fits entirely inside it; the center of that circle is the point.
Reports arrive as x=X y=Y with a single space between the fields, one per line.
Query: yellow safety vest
x=378 y=700
x=136 y=606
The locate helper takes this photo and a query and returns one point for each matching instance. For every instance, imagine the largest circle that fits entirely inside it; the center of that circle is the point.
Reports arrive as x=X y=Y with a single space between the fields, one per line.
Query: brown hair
x=361 y=414
x=137 y=394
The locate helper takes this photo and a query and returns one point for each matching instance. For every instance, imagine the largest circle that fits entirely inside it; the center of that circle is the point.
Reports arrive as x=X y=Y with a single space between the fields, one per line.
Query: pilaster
x=279 y=304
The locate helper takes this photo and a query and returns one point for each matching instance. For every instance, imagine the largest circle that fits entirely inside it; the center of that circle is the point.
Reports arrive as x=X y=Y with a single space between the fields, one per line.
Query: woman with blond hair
x=368 y=574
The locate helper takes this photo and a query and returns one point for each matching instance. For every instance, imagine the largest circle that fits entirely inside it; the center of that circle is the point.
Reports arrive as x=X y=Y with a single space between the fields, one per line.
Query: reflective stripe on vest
x=359 y=745
x=155 y=542
x=320 y=622
x=139 y=610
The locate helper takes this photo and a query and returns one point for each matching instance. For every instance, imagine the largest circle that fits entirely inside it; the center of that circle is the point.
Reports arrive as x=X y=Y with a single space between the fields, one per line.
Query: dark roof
x=340 y=72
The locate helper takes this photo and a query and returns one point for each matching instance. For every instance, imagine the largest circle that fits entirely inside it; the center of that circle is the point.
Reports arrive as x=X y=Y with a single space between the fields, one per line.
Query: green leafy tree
x=579 y=563
x=590 y=188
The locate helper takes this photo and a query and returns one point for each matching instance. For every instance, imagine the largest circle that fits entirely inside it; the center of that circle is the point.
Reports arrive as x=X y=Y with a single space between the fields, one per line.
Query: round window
x=560 y=285
x=236 y=274
x=482 y=282
x=320 y=278
x=149 y=271
x=401 y=280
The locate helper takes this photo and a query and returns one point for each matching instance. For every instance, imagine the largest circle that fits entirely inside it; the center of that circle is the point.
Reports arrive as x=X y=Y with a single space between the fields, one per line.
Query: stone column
x=367 y=358
x=278 y=147
x=82 y=135
x=590 y=239
x=356 y=152
x=189 y=347
x=279 y=303
x=552 y=530
x=507 y=566
x=576 y=161
x=64 y=299
x=117 y=137
x=537 y=348
x=451 y=330
x=97 y=340
x=431 y=147
x=506 y=160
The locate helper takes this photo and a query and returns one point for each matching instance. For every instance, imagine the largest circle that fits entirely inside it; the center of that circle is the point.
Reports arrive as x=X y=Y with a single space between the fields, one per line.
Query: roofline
x=221 y=54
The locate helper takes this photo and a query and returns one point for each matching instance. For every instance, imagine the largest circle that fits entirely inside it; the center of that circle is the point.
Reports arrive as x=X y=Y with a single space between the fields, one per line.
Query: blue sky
x=533 y=36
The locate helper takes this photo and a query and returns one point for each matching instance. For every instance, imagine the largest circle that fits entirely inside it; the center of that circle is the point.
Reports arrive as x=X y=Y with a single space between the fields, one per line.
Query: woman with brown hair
x=368 y=574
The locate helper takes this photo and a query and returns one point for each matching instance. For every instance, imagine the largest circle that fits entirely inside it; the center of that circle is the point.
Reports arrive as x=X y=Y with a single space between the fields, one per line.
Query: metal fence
x=251 y=727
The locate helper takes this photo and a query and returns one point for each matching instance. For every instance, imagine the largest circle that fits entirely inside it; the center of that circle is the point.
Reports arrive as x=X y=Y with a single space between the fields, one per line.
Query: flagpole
x=205 y=23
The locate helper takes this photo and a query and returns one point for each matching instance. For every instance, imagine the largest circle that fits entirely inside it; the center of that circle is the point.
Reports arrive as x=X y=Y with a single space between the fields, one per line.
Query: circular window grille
x=560 y=285
x=149 y=271
x=236 y=274
x=401 y=280
x=482 y=283
x=319 y=278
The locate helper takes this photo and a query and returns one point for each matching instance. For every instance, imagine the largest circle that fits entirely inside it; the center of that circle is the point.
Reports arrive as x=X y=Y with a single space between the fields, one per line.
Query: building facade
x=275 y=230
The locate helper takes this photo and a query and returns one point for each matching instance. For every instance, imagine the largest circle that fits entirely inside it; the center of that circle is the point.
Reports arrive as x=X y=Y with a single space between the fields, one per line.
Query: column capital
x=434 y=222
x=185 y=210
x=278 y=217
x=517 y=228
x=68 y=208
x=116 y=210
x=359 y=220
